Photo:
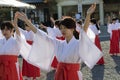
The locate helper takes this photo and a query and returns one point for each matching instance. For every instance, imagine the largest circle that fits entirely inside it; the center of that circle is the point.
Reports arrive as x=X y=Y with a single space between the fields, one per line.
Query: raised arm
x=24 y=18
x=14 y=22
x=89 y=12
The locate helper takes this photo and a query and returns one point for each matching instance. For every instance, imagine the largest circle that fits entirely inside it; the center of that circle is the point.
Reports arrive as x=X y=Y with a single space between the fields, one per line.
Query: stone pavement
x=109 y=71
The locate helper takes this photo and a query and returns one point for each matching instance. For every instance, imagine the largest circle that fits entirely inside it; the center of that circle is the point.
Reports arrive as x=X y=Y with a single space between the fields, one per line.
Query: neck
x=8 y=37
x=69 y=38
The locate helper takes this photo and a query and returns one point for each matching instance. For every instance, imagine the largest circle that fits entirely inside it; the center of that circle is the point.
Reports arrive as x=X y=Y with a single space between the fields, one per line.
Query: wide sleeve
x=42 y=51
x=91 y=34
x=109 y=29
x=23 y=45
x=88 y=52
x=51 y=32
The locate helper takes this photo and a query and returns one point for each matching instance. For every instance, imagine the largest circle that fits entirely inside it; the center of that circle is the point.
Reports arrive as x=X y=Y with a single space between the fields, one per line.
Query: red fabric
x=54 y=63
x=119 y=38
x=28 y=69
x=67 y=71
x=8 y=70
x=29 y=42
x=60 y=38
x=97 y=43
x=114 y=42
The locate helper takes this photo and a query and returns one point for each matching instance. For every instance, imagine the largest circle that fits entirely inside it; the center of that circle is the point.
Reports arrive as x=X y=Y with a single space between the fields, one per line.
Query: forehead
x=62 y=26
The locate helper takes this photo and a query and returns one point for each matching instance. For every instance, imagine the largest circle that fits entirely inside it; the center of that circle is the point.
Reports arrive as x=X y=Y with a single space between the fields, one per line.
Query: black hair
x=70 y=24
x=114 y=19
x=94 y=21
x=79 y=22
x=6 y=24
x=57 y=22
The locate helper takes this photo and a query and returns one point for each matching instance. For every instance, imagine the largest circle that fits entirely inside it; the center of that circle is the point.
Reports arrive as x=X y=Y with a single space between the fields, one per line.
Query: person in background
x=95 y=28
x=29 y=71
x=114 y=37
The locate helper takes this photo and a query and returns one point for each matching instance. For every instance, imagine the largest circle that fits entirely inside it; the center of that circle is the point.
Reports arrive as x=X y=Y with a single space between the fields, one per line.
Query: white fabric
x=112 y=27
x=44 y=47
x=78 y=28
x=24 y=47
x=42 y=51
x=1 y=35
x=54 y=32
x=89 y=53
x=94 y=29
x=18 y=71
x=91 y=34
x=9 y=47
x=29 y=35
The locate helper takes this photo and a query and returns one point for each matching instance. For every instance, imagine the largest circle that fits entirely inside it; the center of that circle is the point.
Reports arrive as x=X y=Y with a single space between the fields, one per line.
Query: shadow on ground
x=117 y=61
x=98 y=72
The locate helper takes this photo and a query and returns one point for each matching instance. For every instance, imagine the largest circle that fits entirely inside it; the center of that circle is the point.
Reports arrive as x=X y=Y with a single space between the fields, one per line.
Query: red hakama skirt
x=8 y=68
x=97 y=43
x=28 y=69
x=114 y=42
x=67 y=71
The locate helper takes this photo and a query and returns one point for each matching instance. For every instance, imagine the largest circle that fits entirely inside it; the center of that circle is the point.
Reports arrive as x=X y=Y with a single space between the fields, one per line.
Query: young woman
x=67 y=51
x=9 y=52
x=95 y=28
x=29 y=71
x=114 y=37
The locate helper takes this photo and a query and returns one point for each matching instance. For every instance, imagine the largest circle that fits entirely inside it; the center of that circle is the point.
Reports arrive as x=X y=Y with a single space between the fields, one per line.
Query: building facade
x=58 y=8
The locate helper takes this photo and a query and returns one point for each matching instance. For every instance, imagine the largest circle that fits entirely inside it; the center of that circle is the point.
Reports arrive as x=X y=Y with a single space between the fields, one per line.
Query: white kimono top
x=94 y=29
x=9 y=47
x=45 y=47
x=112 y=27
x=29 y=35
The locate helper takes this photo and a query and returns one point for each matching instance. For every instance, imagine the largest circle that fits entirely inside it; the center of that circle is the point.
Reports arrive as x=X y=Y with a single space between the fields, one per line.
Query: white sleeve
x=109 y=29
x=88 y=52
x=42 y=51
x=24 y=46
x=51 y=32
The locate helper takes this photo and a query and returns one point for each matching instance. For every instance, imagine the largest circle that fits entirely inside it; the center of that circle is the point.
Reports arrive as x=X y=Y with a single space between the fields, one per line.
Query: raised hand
x=87 y=19
x=21 y=16
x=91 y=9
x=14 y=22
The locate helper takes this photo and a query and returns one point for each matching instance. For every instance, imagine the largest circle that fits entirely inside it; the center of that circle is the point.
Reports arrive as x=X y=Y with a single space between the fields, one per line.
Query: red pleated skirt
x=97 y=43
x=119 y=39
x=30 y=70
x=114 y=42
x=67 y=71
x=8 y=68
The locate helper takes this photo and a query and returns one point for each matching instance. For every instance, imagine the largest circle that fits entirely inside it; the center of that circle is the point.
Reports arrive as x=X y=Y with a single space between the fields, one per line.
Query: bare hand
x=21 y=16
x=91 y=9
